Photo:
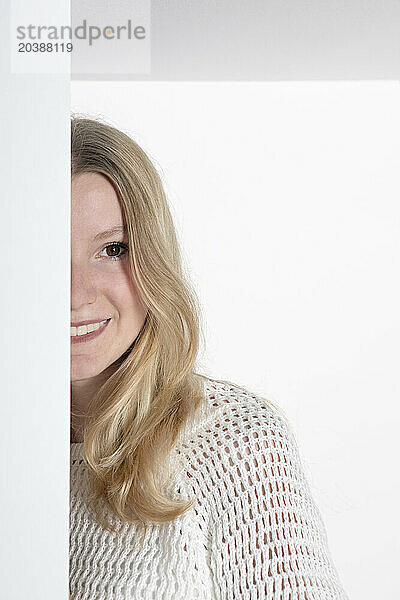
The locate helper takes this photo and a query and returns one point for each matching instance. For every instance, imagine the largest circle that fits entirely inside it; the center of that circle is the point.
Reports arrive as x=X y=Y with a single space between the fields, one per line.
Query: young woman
x=183 y=487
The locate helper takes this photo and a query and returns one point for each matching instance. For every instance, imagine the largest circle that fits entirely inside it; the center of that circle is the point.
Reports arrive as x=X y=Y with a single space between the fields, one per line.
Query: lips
x=79 y=323
x=87 y=337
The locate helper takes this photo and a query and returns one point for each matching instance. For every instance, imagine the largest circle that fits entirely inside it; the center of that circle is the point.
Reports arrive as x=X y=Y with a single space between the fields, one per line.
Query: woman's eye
x=114 y=250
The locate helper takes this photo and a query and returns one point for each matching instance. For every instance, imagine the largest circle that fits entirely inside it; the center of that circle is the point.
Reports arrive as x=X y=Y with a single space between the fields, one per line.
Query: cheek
x=124 y=296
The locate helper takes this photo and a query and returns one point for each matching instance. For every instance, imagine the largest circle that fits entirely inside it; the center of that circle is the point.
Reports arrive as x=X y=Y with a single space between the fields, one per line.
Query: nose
x=83 y=289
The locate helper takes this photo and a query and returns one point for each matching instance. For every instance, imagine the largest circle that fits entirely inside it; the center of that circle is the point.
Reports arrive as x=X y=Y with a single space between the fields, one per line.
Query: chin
x=84 y=368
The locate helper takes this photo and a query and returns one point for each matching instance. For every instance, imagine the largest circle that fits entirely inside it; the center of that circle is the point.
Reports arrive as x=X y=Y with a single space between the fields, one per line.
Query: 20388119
x=45 y=47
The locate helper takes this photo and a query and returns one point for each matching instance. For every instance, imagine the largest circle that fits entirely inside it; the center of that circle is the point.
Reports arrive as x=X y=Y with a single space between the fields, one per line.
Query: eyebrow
x=109 y=232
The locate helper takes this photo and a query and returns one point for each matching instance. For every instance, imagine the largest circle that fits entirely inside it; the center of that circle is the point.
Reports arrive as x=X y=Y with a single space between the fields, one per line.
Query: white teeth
x=84 y=329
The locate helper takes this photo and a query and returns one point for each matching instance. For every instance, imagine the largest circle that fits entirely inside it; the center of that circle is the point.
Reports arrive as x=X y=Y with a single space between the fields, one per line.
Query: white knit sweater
x=254 y=532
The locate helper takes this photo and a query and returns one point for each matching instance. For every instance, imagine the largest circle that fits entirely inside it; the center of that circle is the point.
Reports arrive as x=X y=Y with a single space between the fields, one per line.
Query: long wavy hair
x=134 y=419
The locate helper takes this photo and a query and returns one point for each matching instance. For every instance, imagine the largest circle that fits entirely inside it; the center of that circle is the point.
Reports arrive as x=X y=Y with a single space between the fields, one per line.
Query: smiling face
x=101 y=283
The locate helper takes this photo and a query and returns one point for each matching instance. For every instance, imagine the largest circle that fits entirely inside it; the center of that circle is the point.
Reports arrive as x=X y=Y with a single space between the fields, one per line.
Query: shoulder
x=235 y=414
x=238 y=442
x=252 y=502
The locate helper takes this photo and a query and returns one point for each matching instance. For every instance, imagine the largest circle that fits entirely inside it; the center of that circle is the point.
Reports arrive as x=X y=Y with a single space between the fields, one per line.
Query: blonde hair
x=136 y=416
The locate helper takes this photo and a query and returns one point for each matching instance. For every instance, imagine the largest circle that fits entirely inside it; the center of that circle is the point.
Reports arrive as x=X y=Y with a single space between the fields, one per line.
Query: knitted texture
x=253 y=533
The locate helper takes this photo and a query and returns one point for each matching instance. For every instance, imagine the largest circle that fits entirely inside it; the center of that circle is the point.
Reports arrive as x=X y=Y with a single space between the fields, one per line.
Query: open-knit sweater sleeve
x=254 y=531
x=265 y=536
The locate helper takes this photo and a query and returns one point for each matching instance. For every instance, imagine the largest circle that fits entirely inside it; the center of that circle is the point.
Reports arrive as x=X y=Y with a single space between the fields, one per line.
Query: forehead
x=94 y=203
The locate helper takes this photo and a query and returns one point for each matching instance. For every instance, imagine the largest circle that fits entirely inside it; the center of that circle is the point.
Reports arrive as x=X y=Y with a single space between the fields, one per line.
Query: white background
x=285 y=196
x=35 y=312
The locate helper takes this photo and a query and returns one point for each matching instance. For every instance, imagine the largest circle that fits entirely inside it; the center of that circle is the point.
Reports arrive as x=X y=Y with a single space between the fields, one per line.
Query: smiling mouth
x=88 y=332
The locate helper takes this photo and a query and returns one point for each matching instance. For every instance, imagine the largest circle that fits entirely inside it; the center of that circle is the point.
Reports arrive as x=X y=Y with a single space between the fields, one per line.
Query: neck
x=82 y=392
